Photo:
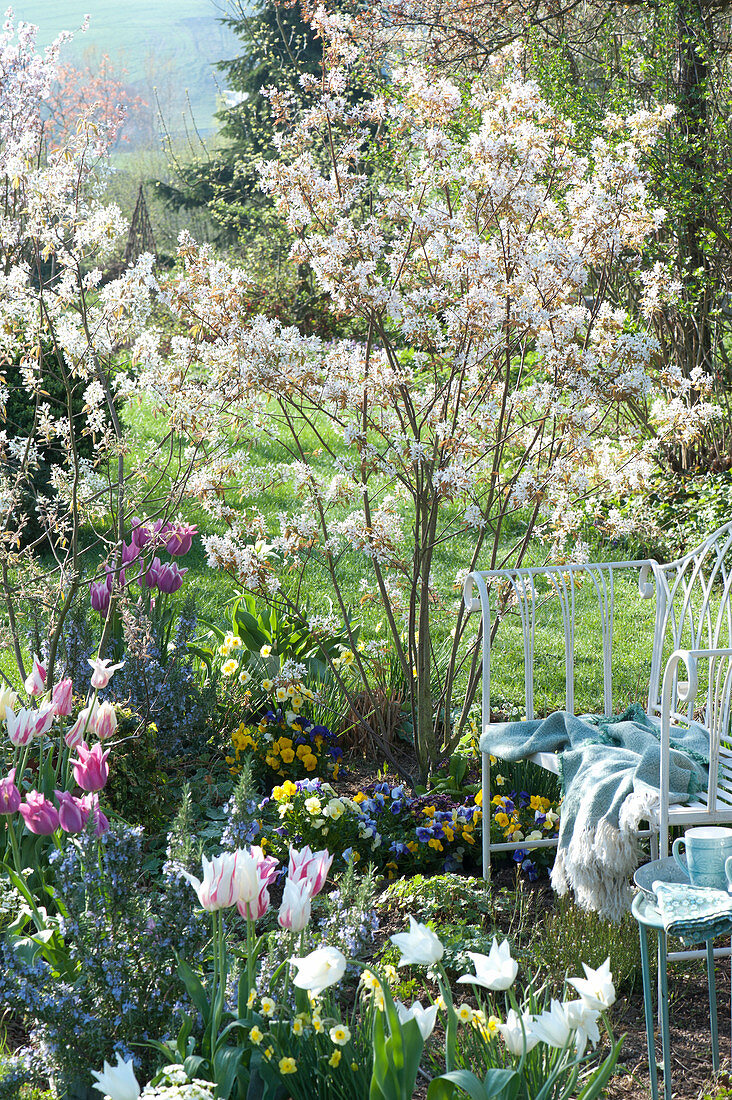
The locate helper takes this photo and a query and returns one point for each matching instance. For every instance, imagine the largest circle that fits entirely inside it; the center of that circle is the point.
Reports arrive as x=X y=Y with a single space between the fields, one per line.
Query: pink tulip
x=294 y=911
x=9 y=794
x=40 y=815
x=103 y=672
x=72 y=815
x=267 y=866
x=21 y=726
x=104 y=721
x=43 y=719
x=218 y=887
x=253 y=910
x=90 y=805
x=62 y=698
x=75 y=735
x=35 y=683
x=311 y=866
x=180 y=538
x=90 y=768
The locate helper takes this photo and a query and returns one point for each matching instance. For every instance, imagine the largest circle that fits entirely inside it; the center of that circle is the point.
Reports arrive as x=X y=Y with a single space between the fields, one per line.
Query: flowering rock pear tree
x=69 y=343
x=472 y=245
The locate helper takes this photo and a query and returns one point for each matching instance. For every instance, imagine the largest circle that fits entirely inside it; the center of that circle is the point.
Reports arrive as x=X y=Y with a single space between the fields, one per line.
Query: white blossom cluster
x=175 y=1084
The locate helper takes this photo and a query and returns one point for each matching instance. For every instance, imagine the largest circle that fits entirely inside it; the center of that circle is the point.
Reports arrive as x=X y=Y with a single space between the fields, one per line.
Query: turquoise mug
x=708 y=856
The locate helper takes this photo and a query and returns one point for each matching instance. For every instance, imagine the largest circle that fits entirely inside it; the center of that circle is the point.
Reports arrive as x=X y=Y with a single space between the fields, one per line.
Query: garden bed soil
x=691 y=1058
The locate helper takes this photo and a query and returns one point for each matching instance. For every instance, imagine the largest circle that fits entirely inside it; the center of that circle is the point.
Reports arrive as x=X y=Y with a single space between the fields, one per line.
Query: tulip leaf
x=194 y=988
x=598 y=1082
x=225 y=1066
x=498 y=1084
x=192 y=1065
x=504 y=1083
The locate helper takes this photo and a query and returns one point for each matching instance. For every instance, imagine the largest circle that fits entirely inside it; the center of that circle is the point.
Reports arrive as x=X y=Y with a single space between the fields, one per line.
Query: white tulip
x=323 y=967
x=419 y=946
x=518 y=1033
x=117 y=1082
x=425 y=1017
x=553 y=1027
x=596 y=989
x=583 y=1021
x=496 y=970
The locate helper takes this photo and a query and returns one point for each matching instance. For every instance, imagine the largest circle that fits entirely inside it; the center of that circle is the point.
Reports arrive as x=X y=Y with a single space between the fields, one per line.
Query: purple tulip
x=180 y=538
x=71 y=813
x=129 y=553
x=90 y=767
x=90 y=805
x=40 y=815
x=170 y=577
x=100 y=594
x=151 y=576
x=146 y=531
x=9 y=794
x=140 y=533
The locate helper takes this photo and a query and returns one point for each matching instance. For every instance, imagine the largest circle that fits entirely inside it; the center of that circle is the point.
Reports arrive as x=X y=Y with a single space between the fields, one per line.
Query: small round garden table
x=648 y=916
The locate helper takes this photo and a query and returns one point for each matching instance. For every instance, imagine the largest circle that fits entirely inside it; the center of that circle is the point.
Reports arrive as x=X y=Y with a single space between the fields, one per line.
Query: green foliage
x=447 y=897
x=137 y=771
x=675 y=52
x=566 y=936
x=255 y=628
x=21 y=414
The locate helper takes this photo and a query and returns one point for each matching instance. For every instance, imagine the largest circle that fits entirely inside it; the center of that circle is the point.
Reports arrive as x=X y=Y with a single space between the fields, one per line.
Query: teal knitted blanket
x=609 y=772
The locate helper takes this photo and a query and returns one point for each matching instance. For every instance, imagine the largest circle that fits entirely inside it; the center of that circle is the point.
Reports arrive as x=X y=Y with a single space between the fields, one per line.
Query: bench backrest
x=693 y=609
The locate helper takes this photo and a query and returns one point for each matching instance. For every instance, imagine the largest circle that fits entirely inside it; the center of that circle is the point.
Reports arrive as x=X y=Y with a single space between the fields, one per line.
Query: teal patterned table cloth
x=693 y=913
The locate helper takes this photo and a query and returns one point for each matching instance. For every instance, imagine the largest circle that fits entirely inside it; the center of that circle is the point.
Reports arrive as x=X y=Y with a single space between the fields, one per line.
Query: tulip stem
x=15 y=846
x=451 y=1029
x=23 y=764
x=250 y=960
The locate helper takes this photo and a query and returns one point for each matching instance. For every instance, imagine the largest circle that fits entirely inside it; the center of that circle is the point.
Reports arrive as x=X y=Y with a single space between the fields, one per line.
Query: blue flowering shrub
x=122 y=932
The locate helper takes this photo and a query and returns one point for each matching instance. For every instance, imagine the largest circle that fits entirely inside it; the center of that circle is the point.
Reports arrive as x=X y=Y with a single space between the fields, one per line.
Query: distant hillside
x=168 y=45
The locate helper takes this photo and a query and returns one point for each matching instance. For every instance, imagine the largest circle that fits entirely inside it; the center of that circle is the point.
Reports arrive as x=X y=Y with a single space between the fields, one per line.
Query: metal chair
x=692 y=628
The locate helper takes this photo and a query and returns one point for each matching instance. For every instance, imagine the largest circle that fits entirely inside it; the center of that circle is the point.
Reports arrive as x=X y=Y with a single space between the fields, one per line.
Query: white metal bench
x=692 y=629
